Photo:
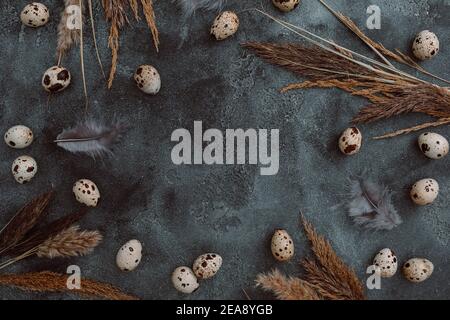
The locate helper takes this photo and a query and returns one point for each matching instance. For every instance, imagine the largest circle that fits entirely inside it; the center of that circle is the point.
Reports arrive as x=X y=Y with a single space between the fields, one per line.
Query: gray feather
x=371 y=206
x=191 y=6
x=91 y=137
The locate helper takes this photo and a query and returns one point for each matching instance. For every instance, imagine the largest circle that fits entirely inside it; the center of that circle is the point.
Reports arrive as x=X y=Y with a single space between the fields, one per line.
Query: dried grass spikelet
x=70 y=242
x=66 y=37
x=327 y=276
x=116 y=14
x=327 y=272
x=287 y=288
x=47 y=281
x=23 y=221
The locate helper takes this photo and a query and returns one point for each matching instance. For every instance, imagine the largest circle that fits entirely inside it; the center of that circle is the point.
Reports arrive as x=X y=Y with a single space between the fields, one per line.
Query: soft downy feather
x=191 y=6
x=91 y=137
x=371 y=205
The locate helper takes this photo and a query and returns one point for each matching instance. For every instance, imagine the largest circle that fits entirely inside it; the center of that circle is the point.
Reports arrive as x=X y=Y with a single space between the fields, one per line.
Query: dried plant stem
x=94 y=37
x=419 y=127
x=80 y=3
x=378 y=48
x=47 y=281
x=149 y=13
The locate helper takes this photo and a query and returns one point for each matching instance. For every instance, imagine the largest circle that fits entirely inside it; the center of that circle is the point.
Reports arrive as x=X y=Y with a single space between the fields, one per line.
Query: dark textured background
x=181 y=212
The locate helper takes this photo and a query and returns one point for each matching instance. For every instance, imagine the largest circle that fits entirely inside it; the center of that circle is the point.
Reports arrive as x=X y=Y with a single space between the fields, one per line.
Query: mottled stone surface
x=180 y=212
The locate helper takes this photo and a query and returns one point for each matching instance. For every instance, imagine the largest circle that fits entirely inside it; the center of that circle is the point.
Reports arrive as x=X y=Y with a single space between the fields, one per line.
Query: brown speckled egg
x=417 y=269
x=24 y=168
x=433 y=145
x=424 y=191
x=86 y=192
x=350 y=141
x=282 y=245
x=129 y=255
x=425 y=45
x=184 y=280
x=56 y=79
x=34 y=15
x=207 y=265
x=225 y=25
x=286 y=5
x=19 y=137
x=147 y=79
x=385 y=263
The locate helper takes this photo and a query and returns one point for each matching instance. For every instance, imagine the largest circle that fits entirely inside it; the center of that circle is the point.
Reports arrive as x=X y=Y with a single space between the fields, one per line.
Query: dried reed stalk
x=419 y=127
x=47 y=281
x=333 y=278
x=23 y=221
x=287 y=288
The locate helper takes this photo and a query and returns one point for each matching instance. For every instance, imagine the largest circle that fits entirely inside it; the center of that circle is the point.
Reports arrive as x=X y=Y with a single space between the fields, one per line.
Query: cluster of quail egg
x=185 y=279
x=415 y=269
x=432 y=145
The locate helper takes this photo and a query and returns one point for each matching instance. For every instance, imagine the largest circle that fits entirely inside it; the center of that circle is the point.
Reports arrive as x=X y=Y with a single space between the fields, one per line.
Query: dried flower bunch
x=327 y=276
x=21 y=238
x=391 y=91
x=47 y=281
x=116 y=14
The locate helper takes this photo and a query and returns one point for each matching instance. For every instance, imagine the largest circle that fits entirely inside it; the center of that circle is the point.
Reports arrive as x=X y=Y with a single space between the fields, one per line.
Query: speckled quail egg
x=225 y=25
x=207 y=265
x=129 y=255
x=425 y=45
x=286 y=5
x=56 y=79
x=282 y=245
x=184 y=280
x=417 y=269
x=34 y=15
x=19 y=137
x=86 y=192
x=424 y=191
x=24 y=168
x=147 y=79
x=350 y=141
x=385 y=263
x=433 y=145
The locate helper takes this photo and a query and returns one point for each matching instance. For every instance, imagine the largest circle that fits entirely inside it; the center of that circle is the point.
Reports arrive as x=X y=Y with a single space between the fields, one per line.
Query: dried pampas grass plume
x=47 y=281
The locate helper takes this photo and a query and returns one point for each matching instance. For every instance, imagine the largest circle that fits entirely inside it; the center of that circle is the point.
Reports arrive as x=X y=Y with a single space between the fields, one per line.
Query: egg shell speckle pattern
x=184 y=280
x=282 y=245
x=148 y=79
x=225 y=25
x=425 y=45
x=386 y=263
x=86 y=192
x=286 y=5
x=350 y=141
x=34 y=15
x=418 y=269
x=207 y=265
x=24 y=168
x=424 y=191
x=19 y=137
x=56 y=79
x=129 y=255
x=433 y=145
